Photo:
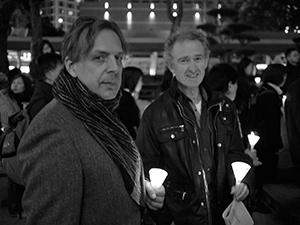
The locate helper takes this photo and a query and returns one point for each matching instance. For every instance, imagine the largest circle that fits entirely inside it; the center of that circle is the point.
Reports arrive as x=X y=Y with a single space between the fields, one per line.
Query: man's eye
x=101 y=57
x=198 y=59
x=183 y=61
x=119 y=58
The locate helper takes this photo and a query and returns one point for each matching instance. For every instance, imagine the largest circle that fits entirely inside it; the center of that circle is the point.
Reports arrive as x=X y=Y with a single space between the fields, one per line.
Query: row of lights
x=152 y=13
x=295 y=30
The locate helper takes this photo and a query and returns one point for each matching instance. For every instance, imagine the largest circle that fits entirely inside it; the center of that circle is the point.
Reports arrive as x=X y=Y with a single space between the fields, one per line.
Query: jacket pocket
x=171 y=133
x=183 y=197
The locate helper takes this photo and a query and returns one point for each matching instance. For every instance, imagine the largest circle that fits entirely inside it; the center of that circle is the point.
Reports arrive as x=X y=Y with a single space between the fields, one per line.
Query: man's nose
x=192 y=66
x=112 y=64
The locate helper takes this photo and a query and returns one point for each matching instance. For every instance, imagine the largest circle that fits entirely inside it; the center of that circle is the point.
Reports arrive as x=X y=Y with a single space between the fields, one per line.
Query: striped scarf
x=98 y=117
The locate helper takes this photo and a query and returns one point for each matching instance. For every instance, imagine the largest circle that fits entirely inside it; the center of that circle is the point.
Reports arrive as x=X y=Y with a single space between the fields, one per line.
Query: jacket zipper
x=180 y=108
x=171 y=128
x=220 y=104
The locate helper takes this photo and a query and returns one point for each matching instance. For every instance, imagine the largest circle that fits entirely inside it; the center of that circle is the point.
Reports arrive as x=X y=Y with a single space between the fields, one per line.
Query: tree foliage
x=271 y=15
x=176 y=20
x=224 y=25
x=6 y=10
x=23 y=14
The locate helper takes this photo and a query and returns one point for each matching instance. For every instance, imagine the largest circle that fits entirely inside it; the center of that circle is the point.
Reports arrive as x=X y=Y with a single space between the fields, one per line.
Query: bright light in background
x=70 y=13
x=129 y=17
x=26 y=56
x=261 y=66
x=257 y=80
x=106 y=5
x=106 y=15
x=152 y=6
x=60 y=20
x=153 y=63
x=152 y=15
x=197 y=15
x=286 y=30
x=25 y=69
x=197 y=7
x=129 y=5
x=41 y=12
x=219 y=6
x=174 y=14
x=174 y=6
x=283 y=99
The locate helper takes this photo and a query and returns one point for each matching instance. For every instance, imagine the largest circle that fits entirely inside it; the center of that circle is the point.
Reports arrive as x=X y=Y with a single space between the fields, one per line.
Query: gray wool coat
x=69 y=177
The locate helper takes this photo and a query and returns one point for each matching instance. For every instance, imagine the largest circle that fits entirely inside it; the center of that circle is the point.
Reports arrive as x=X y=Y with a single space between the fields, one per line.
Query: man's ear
x=49 y=75
x=170 y=67
x=207 y=58
x=70 y=67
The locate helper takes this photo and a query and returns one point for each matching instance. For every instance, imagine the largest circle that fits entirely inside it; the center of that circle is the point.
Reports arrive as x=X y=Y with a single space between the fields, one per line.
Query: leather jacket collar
x=208 y=95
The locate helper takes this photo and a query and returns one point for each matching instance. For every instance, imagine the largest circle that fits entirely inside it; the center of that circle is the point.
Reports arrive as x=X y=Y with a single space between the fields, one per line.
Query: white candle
x=157 y=177
x=240 y=169
x=253 y=139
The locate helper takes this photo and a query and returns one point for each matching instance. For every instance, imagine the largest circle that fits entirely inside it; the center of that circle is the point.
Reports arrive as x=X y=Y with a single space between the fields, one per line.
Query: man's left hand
x=154 y=197
x=240 y=191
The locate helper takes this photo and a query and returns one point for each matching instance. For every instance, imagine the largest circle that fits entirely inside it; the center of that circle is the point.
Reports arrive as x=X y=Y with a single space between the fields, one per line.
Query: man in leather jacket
x=192 y=133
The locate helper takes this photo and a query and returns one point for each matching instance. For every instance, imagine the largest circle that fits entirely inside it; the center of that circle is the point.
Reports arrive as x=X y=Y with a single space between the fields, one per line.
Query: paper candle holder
x=157 y=177
x=240 y=169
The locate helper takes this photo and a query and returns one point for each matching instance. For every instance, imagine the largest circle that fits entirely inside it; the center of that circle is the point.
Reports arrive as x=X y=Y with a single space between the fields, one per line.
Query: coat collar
x=208 y=95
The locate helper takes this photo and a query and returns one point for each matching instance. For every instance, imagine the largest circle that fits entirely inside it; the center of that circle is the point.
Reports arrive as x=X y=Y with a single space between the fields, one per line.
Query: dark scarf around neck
x=98 y=117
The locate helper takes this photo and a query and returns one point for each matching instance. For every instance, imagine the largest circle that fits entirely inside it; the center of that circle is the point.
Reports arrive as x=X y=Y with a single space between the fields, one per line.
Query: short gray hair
x=80 y=38
x=181 y=36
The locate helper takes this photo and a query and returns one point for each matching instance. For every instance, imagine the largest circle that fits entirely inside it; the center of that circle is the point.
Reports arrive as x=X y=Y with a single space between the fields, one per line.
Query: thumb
x=150 y=190
x=232 y=190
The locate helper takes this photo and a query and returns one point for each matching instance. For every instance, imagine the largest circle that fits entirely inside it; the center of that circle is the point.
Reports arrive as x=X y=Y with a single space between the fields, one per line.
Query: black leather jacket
x=197 y=157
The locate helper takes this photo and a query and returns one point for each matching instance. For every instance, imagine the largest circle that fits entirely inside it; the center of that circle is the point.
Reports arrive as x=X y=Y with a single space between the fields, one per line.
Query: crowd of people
x=86 y=156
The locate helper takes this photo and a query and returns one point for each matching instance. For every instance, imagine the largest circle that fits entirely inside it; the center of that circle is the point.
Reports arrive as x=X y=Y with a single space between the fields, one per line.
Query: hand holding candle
x=253 y=139
x=157 y=177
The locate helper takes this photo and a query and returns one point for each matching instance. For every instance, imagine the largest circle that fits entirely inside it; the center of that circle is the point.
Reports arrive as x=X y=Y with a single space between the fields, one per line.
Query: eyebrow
x=197 y=55
x=106 y=53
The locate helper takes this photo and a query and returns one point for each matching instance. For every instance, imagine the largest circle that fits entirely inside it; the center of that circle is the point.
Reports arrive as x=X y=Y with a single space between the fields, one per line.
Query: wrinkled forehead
x=188 y=47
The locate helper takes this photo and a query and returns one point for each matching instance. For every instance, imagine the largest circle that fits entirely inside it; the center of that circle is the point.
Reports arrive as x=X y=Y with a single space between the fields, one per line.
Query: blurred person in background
x=246 y=84
x=223 y=78
x=292 y=66
x=280 y=58
x=128 y=110
x=76 y=153
x=269 y=113
x=246 y=88
x=15 y=97
x=12 y=100
x=46 y=47
x=11 y=73
x=3 y=81
x=292 y=118
x=48 y=67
